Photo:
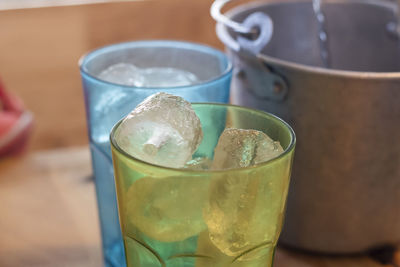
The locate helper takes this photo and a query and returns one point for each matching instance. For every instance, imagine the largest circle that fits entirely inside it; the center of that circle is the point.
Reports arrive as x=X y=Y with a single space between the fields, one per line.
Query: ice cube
x=199 y=163
x=167 y=77
x=244 y=213
x=162 y=130
x=123 y=73
x=168 y=209
x=131 y=75
x=238 y=148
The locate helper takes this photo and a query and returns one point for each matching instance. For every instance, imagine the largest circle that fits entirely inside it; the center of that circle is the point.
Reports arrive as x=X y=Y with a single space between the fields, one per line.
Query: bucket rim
x=223 y=30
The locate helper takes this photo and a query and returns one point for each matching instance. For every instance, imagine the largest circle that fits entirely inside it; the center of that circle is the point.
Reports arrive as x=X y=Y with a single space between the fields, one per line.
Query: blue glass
x=106 y=103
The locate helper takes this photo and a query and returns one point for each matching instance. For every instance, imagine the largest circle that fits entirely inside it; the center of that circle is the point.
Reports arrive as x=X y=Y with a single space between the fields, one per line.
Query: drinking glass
x=186 y=217
x=107 y=102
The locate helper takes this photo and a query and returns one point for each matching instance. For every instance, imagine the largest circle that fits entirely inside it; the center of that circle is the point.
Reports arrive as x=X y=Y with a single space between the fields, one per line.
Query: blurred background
x=40 y=48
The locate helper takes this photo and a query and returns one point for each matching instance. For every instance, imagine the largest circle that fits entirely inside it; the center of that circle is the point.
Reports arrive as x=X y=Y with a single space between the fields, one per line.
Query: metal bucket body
x=345 y=191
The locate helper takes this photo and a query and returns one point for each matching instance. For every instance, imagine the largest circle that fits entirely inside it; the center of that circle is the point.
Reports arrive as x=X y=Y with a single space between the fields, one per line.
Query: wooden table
x=48 y=215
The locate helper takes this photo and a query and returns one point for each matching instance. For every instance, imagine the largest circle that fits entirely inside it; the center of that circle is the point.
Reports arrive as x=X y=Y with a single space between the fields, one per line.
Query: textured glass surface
x=180 y=217
x=106 y=103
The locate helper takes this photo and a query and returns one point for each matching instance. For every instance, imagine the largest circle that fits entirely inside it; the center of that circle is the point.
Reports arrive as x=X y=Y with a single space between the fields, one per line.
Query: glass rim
x=156 y=43
x=288 y=150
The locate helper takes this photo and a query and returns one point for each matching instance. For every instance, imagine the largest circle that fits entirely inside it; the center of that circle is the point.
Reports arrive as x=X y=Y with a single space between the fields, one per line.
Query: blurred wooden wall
x=40 y=49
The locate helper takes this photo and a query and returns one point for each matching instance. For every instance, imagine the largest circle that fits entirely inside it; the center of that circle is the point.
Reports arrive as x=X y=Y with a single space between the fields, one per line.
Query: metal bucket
x=345 y=191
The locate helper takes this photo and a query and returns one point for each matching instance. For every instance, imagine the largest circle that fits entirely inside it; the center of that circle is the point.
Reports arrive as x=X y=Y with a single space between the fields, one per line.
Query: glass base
x=114 y=256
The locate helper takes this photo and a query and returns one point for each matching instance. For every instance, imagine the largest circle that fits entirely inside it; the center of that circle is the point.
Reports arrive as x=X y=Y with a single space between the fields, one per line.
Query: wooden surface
x=48 y=215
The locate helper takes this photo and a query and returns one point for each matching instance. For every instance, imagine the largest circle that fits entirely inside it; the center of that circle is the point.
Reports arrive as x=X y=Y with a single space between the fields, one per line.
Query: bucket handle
x=263 y=81
x=254 y=32
x=219 y=17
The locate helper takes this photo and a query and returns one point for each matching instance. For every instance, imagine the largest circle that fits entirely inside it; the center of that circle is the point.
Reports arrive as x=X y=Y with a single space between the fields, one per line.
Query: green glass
x=184 y=217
